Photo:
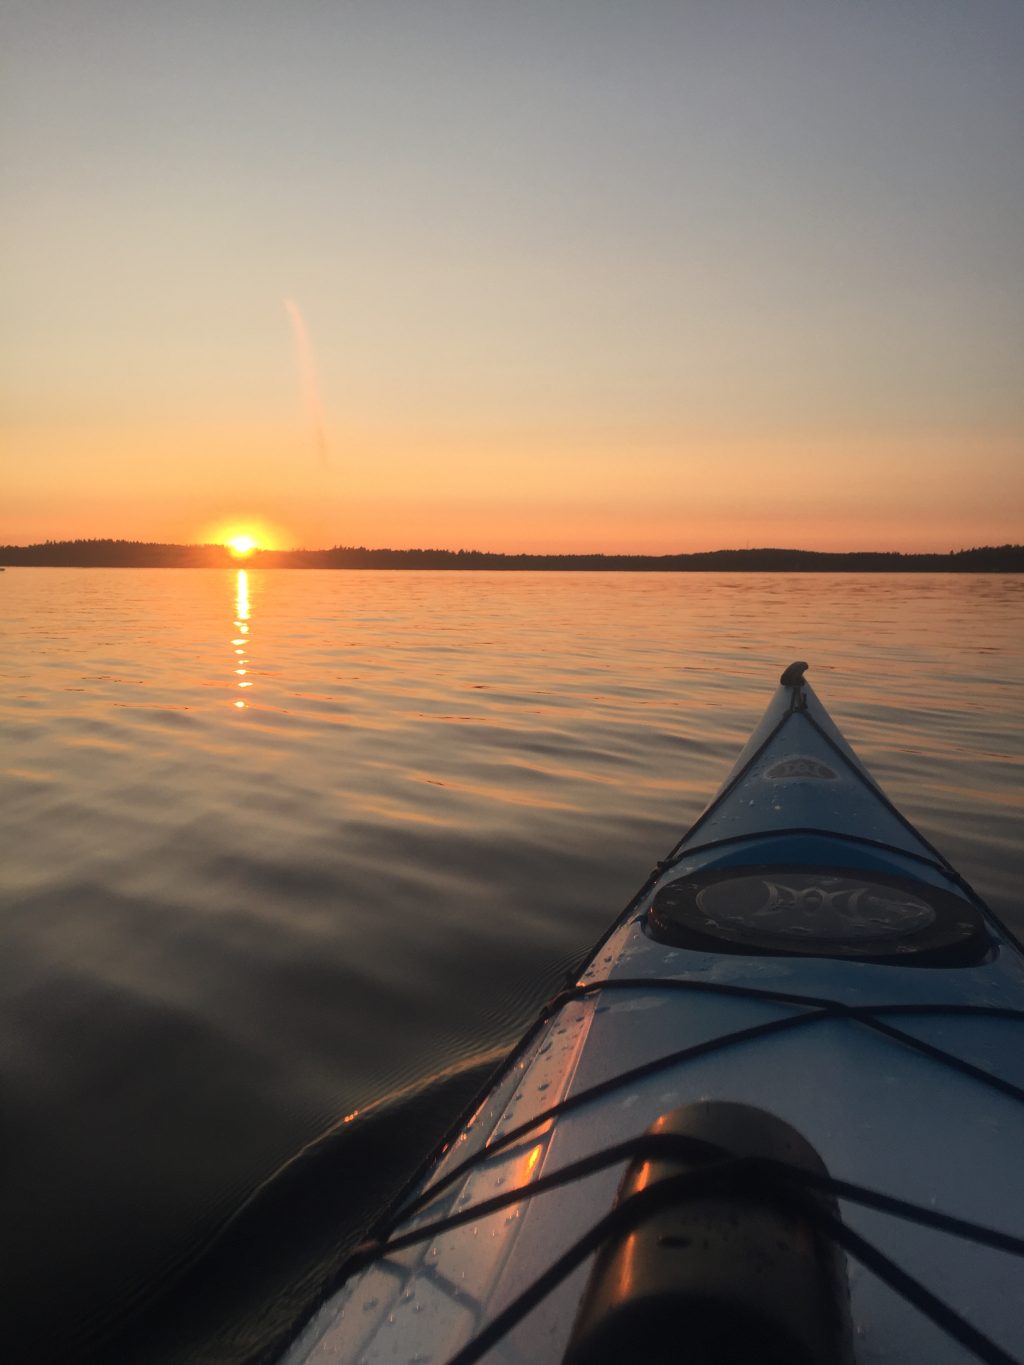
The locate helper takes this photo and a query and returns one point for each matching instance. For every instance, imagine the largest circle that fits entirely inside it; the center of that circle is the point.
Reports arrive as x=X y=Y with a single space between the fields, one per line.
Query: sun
x=243 y=535
x=242 y=546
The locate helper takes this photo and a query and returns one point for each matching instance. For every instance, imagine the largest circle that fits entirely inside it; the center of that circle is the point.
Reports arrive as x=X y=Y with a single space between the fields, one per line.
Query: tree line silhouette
x=138 y=554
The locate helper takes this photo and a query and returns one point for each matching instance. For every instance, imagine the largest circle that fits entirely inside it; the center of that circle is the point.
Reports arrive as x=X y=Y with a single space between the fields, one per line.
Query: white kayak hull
x=827 y=1045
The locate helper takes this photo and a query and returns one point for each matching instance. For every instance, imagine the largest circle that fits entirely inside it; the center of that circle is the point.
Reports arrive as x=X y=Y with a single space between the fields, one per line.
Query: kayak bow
x=778 y=1116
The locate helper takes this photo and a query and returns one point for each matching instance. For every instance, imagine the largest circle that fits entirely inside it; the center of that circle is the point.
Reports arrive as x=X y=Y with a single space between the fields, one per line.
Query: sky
x=639 y=276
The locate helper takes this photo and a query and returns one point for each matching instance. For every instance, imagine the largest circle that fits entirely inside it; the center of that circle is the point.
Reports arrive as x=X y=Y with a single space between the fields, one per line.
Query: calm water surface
x=292 y=856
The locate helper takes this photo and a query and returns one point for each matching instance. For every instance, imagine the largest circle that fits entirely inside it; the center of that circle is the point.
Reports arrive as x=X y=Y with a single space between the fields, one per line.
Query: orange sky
x=515 y=281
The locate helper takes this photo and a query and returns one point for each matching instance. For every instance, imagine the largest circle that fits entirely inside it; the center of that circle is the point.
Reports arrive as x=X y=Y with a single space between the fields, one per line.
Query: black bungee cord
x=789 y=1184
x=817 y=1009
x=714 y=1162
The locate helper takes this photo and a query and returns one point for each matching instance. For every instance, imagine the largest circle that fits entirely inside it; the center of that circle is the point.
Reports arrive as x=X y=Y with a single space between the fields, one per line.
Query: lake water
x=291 y=857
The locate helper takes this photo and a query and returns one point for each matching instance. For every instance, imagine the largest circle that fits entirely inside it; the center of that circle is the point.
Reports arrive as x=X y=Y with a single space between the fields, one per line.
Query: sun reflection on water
x=240 y=642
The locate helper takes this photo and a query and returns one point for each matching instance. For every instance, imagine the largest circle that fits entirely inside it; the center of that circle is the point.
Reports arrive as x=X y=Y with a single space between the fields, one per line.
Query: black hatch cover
x=819 y=912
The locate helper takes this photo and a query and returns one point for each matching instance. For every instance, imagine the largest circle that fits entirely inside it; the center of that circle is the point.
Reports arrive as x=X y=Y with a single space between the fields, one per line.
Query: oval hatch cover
x=819 y=912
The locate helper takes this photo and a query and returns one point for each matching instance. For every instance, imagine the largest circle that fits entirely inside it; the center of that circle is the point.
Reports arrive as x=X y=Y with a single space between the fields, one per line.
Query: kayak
x=778 y=1115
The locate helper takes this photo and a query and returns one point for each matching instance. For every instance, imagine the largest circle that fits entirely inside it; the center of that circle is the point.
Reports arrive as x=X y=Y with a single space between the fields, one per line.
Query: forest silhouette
x=136 y=554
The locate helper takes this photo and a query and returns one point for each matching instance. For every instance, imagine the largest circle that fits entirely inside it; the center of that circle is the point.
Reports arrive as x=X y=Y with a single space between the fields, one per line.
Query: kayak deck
x=905 y=1079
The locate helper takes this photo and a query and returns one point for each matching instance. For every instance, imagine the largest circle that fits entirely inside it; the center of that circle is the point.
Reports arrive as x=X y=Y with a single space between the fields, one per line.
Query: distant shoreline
x=132 y=554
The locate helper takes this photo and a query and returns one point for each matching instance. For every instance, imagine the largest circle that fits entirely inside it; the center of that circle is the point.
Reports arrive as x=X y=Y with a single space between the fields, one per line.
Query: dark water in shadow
x=290 y=849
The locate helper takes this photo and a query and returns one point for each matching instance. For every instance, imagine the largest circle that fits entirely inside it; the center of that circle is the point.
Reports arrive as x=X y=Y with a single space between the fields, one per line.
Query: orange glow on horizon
x=524 y=489
x=453 y=490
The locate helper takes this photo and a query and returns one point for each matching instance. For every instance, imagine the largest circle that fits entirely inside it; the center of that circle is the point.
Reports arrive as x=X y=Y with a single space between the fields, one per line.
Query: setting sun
x=243 y=534
x=241 y=546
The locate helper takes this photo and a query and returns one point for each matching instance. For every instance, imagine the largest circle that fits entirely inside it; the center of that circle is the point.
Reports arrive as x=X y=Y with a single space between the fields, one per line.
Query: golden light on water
x=241 y=598
x=242 y=613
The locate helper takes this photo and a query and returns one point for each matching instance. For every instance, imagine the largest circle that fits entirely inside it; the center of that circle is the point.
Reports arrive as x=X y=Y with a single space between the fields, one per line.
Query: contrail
x=307 y=373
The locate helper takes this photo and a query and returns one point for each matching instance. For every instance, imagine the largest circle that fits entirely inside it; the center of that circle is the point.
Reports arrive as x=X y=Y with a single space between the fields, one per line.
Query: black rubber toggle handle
x=794 y=674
